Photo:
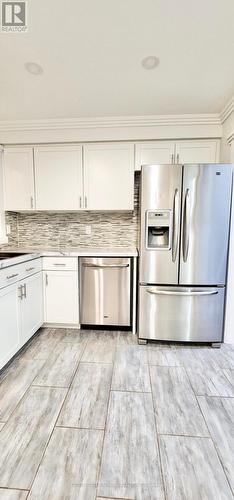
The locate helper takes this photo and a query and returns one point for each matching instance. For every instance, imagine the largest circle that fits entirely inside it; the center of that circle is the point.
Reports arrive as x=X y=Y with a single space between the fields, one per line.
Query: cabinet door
x=61 y=297
x=3 y=237
x=31 y=306
x=158 y=152
x=58 y=177
x=204 y=151
x=9 y=330
x=109 y=176
x=18 y=179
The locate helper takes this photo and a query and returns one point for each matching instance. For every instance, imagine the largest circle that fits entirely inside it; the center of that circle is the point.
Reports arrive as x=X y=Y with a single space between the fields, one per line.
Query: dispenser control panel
x=158 y=229
x=159 y=218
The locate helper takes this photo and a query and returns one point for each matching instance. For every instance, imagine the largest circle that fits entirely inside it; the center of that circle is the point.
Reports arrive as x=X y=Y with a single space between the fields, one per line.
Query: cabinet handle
x=12 y=276
x=32 y=202
x=24 y=291
x=29 y=269
x=177 y=157
x=46 y=279
x=57 y=264
x=80 y=202
x=20 y=289
x=172 y=158
x=86 y=202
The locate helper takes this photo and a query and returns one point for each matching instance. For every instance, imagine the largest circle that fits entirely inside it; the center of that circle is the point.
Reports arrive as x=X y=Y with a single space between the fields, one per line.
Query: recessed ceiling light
x=33 y=68
x=150 y=62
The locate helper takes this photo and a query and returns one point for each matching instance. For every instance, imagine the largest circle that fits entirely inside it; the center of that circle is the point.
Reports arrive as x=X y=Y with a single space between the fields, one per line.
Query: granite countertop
x=32 y=253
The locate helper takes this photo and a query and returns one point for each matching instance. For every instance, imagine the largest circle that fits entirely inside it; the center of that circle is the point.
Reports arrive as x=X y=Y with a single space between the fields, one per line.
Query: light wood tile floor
x=91 y=415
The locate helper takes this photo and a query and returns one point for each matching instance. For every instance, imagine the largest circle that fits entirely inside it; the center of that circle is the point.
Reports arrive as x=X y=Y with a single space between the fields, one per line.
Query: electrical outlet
x=88 y=230
x=8 y=229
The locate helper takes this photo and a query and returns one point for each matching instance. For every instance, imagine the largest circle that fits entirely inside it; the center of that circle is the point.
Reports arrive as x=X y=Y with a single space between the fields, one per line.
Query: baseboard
x=61 y=325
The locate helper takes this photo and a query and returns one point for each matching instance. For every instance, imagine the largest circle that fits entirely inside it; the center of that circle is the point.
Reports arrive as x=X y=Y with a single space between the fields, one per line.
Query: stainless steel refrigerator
x=185 y=220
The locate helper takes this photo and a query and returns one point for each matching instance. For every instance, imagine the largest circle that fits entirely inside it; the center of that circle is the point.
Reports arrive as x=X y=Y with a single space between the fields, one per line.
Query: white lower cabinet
x=21 y=314
x=61 y=297
x=10 y=325
x=31 y=306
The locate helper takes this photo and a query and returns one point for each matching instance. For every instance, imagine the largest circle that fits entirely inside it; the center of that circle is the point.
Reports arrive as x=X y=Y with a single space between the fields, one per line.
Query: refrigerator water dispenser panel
x=158 y=229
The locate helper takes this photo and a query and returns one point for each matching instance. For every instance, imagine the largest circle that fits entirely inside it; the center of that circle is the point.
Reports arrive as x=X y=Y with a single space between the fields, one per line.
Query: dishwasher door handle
x=104 y=266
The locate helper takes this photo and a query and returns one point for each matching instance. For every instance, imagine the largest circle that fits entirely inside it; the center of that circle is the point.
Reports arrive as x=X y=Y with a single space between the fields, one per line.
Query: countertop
x=32 y=253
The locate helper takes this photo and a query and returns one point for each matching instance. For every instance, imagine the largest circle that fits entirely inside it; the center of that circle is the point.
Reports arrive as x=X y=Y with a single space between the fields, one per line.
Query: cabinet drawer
x=60 y=263
x=11 y=274
x=18 y=272
x=31 y=267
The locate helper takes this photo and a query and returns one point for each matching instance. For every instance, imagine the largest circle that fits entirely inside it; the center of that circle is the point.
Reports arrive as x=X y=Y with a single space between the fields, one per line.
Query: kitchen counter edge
x=31 y=254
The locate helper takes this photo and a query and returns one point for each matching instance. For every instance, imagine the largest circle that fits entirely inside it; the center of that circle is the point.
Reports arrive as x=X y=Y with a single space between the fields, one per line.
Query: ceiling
x=91 y=54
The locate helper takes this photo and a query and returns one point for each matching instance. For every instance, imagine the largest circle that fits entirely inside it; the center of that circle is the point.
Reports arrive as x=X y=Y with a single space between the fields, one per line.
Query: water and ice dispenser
x=158 y=229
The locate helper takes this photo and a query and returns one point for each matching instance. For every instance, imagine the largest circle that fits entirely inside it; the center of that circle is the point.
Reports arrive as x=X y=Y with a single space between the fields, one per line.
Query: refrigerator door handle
x=188 y=294
x=175 y=236
x=186 y=225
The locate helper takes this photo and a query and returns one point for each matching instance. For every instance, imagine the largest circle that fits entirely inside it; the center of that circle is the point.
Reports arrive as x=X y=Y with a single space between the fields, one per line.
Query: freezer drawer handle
x=187 y=294
x=175 y=225
x=102 y=266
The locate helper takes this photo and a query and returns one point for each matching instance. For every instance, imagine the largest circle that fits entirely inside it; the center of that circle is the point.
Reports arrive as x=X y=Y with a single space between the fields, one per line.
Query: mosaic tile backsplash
x=54 y=229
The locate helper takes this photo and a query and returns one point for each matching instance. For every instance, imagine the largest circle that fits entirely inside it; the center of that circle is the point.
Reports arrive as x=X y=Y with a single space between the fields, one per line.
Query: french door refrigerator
x=185 y=219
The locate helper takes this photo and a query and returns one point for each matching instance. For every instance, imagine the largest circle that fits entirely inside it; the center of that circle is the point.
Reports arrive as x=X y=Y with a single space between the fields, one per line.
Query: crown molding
x=119 y=121
x=230 y=137
x=227 y=110
x=114 y=122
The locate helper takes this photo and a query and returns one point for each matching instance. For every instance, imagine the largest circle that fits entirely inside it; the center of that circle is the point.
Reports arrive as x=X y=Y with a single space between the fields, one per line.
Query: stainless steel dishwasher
x=105 y=291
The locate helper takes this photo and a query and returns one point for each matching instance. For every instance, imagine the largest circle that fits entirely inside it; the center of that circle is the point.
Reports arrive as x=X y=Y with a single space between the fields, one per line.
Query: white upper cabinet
x=109 y=176
x=194 y=151
x=3 y=238
x=19 y=178
x=204 y=151
x=148 y=153
x=100 y=179
x=58 y=177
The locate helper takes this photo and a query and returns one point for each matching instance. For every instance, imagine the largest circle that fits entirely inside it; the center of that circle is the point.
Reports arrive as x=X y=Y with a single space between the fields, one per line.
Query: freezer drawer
x=185 y=314
x=105 y=291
